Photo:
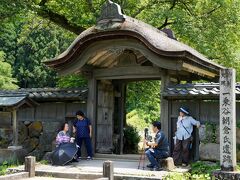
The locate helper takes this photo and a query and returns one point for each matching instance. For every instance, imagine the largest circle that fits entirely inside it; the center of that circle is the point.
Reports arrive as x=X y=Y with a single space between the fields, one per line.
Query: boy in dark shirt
x=158 y=149
x=83 y=133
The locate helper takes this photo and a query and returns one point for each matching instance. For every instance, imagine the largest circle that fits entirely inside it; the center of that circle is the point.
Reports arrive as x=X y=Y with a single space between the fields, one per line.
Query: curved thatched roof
x=115 y=32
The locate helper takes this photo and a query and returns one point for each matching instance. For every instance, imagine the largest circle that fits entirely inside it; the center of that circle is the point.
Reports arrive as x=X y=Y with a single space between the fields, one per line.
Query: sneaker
x=149 y=166
x=89 y=158
x=79 y=158
x=157 y=169
x=184 y=165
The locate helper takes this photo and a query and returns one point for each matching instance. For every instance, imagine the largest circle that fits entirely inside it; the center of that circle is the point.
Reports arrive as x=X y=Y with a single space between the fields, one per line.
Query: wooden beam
x=97 y=56
x=197 y=70
x=127 y=72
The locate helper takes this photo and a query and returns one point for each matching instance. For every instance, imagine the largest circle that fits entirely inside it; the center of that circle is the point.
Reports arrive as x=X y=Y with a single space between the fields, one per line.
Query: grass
x=200 y=170
x=7 y=164
x=45 y=162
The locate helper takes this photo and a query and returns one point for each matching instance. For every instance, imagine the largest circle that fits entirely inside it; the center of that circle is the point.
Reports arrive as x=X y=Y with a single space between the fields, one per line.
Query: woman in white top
x=185 y=125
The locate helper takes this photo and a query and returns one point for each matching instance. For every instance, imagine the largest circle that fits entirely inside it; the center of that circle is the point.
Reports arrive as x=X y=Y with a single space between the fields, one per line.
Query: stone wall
x=209 y=142
x=38 y=127
x=6 y=137
x=38 y=137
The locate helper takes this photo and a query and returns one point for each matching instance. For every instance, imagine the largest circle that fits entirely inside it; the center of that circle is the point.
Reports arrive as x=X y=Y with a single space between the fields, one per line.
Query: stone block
x=12 y=155
x=51 y=127
x=30 y=144
x=217 y=134
x=238 y=155
x=224 y=175
x=238 y=135
x=45 y=141
x=47 y=156
x=35 y=129
x=209 y=151
x=167 y=163
x=6 y=137
x=27 y=123
x=37 y=153
x=22 y=132
x=19 y=175
x=30 y=163
x=202 y=132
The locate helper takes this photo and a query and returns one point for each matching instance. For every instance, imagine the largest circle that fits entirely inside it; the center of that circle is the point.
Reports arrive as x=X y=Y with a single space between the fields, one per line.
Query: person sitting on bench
x=159 y=149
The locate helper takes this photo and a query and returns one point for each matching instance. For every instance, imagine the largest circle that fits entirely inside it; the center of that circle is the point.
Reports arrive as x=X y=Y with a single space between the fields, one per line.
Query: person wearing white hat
x=184 y=131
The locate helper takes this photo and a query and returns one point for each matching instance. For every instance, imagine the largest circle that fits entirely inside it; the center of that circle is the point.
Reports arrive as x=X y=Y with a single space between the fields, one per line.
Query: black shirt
x=162 y=141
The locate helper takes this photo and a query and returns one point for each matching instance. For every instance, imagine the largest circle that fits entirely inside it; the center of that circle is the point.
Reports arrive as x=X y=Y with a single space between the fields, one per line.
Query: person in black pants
x=158 y=149
x=184 y=131
x=83 y=133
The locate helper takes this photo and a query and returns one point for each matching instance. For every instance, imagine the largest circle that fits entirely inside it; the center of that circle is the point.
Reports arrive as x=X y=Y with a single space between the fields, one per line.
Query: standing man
x=185 y=125
x=158 y=149
x=83 y=133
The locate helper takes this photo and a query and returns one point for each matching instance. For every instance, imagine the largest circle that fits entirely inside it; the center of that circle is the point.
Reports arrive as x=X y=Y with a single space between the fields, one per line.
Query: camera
x=147 y=136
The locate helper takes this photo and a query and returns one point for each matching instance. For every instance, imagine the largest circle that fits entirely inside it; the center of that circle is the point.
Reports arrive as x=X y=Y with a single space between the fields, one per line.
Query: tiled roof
x=47 y=93
x=195 y=90
x=11 y=101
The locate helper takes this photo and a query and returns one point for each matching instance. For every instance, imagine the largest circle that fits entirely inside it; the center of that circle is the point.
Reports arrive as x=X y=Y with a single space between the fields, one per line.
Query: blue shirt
x=82 y=128
x=162 y=141
x=188 y=122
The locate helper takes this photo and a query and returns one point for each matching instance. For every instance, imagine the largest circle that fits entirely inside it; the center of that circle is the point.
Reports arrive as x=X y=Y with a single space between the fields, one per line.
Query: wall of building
x=37 y=127
x=207 y=112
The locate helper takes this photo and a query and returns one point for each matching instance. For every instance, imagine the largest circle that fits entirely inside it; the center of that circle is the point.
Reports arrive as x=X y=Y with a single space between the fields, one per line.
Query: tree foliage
x=144 y=97
x=32 y=31
x=212 y=27
x=72 y=81
x=28 y=42
x=6 y=80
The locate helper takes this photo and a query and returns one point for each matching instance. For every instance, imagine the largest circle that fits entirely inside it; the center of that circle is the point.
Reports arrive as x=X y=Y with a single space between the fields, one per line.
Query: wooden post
x=227 y=120
x=30 y=165
x=15 y=129
x=122 y=114
x=91 y=107
x=165 y=80
x=108 y=170
x=196 y=133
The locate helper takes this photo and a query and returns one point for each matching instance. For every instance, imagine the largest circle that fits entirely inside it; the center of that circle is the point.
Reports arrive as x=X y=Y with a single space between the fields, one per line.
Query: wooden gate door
x=105 y=109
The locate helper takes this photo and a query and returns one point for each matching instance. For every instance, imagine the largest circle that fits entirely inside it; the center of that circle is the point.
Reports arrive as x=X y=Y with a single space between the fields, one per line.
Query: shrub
x=133 y=119
x=131 y=140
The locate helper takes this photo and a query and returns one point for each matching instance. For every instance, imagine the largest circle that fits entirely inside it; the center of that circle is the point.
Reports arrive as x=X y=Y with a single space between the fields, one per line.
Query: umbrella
x=64 y=153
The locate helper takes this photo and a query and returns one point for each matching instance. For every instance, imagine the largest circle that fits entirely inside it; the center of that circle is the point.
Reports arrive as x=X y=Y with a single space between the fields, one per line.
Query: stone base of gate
x=222 y=175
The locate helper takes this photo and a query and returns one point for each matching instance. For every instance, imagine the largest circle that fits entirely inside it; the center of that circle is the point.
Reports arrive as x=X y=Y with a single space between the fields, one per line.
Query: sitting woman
x=63 y=136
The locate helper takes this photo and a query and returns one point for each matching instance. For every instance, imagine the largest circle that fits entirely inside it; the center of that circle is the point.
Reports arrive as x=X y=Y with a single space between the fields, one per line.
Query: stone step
x=70 y=175
x=118 y=156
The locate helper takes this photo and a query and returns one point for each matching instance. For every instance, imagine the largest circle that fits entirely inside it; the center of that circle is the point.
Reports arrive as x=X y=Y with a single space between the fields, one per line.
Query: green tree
x=6 y=80
x=72 y=81
x=212 y=27
x=28 y=42
x=144 y=97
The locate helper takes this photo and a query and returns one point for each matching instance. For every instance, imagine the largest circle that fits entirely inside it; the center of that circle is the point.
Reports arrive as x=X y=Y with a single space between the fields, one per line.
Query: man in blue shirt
x=158 y=149
x=184 y=131
x=83 y=133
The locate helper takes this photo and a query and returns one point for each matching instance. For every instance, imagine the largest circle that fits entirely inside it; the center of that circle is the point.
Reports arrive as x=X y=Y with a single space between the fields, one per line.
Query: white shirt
x=188 y=122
